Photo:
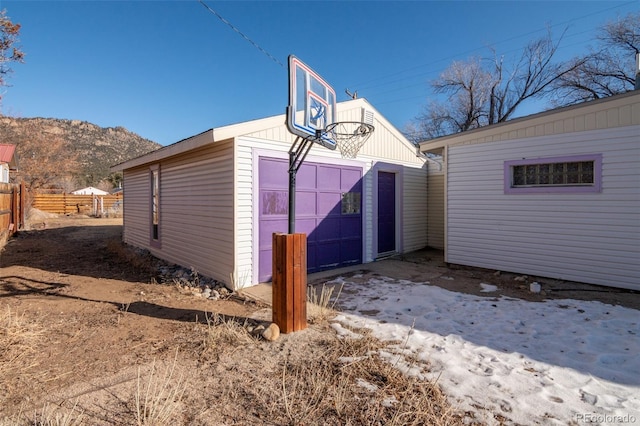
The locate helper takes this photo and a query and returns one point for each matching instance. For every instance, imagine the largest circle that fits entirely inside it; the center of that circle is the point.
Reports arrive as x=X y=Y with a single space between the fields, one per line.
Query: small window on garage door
x=351 y=202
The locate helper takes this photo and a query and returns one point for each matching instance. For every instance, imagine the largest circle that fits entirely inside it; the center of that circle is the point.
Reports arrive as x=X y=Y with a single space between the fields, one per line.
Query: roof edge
x=442 y=141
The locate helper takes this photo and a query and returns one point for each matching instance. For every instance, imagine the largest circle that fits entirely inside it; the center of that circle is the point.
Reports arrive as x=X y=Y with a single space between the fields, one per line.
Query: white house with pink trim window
x=555 y=194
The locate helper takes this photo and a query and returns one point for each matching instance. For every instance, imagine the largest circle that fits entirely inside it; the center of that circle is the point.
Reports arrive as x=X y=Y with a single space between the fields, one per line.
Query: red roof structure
x=6 y=153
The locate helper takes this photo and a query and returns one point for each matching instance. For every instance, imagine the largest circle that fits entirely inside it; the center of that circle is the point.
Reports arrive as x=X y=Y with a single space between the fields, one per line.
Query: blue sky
x=169 y=70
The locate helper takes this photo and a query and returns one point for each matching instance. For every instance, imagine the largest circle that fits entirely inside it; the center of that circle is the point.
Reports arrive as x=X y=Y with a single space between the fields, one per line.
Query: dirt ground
x=87 y=332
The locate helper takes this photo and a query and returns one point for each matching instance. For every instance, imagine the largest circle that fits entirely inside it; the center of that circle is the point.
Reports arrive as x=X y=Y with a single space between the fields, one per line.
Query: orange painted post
x=289 y=282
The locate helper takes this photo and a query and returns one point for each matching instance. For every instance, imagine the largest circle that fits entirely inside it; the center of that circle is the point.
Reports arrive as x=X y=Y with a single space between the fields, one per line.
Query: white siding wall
x=196 y=210
x=4 y=173
x=136 y=186
x=435 y=210
x=591 y=237
x=414 y=209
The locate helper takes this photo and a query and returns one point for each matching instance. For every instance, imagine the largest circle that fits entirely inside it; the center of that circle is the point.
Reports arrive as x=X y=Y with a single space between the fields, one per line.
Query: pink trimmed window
x=570 y=174
x=154 y=207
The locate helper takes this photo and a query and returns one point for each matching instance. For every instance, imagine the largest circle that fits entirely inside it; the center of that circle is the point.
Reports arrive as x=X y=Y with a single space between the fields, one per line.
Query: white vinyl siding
x=414 y=211
x=590 y=237
x=435 y=210
x=608 y=113
x=135 y=206
x=196 y=210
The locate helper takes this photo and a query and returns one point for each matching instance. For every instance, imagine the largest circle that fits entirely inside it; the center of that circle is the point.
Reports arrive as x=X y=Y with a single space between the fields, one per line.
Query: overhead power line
x=244 y=36
x=380 y=80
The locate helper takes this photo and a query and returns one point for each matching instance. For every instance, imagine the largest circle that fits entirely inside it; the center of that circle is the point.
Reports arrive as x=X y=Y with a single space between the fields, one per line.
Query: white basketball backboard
x=312 y=104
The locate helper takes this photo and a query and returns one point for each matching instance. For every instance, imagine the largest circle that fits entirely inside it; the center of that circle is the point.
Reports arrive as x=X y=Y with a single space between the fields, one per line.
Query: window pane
x=557 y=174
x=543 y=174
x=275 y=202
x=530 y=178
x=572 y=173
x=586 y=172
x=155 y=203
x=350 y=203
x=518 y=175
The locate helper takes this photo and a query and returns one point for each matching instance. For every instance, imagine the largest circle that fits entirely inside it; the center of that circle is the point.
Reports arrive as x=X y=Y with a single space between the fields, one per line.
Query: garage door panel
x=328 y=255
x=328 y=229
x=266 y=264
x=306 y=177
x=268 y=227
x=273 y=202
x=312 y=258
x=306 y=226
x=351 y=227
x=348 y=249
x=271 y=172
x=328 y=177
x=334 y=236
x=350 y=180
x=329 y=203
x=306 y=203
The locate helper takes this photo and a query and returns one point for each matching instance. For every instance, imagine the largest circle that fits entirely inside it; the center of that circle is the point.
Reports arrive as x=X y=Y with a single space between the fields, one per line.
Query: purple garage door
x=328 y=210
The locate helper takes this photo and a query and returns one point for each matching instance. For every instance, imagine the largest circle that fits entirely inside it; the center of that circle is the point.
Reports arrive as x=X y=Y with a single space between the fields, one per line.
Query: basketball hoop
x=350 y=136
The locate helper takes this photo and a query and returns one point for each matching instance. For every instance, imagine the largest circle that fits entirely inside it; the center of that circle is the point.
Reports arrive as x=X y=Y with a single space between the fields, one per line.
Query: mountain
x=96 y=148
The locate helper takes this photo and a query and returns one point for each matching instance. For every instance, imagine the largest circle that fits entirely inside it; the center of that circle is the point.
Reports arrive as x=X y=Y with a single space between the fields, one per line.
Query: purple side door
x=328 y=210
x=386 y=212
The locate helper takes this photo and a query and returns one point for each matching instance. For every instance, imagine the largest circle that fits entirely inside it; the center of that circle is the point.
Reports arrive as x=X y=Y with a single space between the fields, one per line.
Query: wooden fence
x=97 y=205
x=12 y=198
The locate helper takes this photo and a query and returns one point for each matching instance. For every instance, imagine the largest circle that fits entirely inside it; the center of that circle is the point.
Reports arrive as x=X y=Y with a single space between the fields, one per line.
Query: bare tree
x=483 y=92
x=531 y=77
x=9 y=51
x=606 y=70
x=45 y=165
x=467 y=85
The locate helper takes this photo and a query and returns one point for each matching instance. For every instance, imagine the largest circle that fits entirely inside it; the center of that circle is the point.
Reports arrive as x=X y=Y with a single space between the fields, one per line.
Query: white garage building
x=212 y=201
x=555 y=194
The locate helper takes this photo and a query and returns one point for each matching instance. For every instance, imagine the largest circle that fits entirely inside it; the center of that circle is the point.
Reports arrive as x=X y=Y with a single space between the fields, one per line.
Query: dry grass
x=19 y=336
x=325 y=381
x=158 y=396
x=49 y=415
x=222 y=334
x=352 y=384
x=344 y=382
x=321 y=303
x=58 y=416
x=239 y=280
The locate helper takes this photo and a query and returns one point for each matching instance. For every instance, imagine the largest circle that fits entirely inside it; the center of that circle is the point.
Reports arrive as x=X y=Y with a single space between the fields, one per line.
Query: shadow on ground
x=91 y=251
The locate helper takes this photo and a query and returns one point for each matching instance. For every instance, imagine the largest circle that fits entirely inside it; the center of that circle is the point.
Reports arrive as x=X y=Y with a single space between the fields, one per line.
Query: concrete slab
x=263 y=292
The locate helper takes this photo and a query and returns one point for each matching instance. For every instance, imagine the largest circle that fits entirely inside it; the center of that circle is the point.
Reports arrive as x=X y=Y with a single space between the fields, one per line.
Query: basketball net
x=350 y=136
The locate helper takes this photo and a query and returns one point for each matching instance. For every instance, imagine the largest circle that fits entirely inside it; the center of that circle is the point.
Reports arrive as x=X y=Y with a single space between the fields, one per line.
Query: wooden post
x=23 y=200
x=289 y=283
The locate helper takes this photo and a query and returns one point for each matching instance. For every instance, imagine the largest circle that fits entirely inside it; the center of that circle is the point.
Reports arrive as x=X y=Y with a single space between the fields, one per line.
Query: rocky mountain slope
x=97 y=148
